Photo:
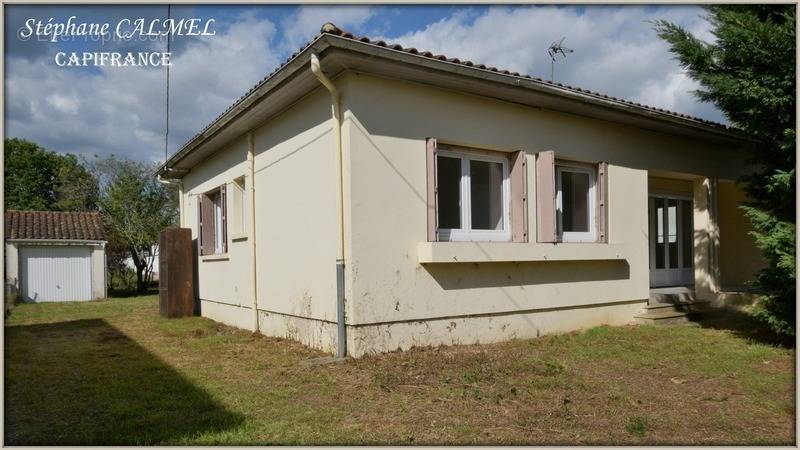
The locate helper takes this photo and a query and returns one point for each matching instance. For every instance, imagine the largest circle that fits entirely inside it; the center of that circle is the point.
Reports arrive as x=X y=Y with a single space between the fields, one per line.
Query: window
x=576 y=220
x=472 y=195
x=571 y=200
x=213 y=226
x=239 y=216
x=216 y=199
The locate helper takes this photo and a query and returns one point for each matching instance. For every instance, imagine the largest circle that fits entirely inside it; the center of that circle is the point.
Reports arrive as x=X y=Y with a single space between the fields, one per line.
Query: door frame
x=670 y=276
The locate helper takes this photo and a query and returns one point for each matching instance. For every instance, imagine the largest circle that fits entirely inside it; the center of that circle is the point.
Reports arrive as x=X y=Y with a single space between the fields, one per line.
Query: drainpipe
x=341 y=340
x=251 y=212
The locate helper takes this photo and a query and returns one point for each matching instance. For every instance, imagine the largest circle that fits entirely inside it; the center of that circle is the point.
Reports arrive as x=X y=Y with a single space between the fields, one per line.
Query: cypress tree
x=748 y=72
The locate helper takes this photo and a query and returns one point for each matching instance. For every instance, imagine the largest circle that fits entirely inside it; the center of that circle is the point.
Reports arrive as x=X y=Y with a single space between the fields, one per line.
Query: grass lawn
x=114 y=372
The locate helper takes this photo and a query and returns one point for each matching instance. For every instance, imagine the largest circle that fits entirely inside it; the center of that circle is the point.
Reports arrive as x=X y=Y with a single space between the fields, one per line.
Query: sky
x=121 y=110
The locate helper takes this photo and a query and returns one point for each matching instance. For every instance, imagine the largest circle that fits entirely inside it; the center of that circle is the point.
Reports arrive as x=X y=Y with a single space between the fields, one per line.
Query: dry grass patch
x=113 y=372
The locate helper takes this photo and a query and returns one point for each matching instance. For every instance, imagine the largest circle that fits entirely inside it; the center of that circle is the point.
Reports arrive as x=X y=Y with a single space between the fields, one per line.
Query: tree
x=135 y=208
x=76 y=188
x=38 y=179
x=749 y=73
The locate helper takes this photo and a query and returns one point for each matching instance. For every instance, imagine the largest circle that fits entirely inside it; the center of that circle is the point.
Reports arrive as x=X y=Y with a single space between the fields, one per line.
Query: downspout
x=251 y=212
x=341 y=340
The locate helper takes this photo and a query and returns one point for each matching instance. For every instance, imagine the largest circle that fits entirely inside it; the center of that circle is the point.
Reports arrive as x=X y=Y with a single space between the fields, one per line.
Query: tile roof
x=54 y=225
x=331 y=29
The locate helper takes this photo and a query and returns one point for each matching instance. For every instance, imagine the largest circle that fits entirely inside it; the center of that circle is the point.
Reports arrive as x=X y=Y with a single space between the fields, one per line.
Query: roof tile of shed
x=54 y=225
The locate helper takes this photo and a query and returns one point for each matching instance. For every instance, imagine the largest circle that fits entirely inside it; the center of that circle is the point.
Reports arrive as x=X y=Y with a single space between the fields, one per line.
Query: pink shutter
x=224 y=200
x=545 y=197
x=200 y=224
x=432 y=188
x=602 y=202
x=519 y=197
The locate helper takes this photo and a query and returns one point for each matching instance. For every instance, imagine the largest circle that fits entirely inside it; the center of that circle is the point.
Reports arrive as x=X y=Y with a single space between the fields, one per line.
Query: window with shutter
x=571 y=200
x=475 y=195
x=212 y=218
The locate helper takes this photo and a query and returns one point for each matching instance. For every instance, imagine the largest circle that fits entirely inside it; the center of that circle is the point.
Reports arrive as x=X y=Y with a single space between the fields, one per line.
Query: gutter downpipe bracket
x=336 y=113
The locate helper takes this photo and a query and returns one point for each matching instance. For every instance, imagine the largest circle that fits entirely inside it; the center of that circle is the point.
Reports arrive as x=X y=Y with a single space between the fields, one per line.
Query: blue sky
x=120 y=110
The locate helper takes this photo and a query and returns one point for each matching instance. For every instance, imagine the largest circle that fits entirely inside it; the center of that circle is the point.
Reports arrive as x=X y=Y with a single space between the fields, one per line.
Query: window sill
x=482 y=252
x=218 y=257
x=239 y=237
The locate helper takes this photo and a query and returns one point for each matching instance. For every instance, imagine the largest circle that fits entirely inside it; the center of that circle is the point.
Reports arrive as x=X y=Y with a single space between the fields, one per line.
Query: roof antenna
x=555 y=49
x=166 y=133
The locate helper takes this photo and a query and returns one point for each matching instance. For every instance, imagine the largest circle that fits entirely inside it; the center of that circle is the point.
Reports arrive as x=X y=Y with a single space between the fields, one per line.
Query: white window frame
x=466 y=233
x=575 y=236
x=216 y=200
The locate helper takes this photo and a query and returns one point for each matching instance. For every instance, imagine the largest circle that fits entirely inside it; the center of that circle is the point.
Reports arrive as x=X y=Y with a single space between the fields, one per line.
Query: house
x=55 y=256
x=366 y=197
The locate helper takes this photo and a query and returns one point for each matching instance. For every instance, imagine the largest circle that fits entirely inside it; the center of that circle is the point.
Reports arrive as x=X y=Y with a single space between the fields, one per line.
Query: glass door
x=671 y=241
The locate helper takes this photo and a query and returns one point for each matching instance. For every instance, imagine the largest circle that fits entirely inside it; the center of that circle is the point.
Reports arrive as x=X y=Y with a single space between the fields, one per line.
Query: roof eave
x=256 y=94
x=296 y=63
x=57 y=241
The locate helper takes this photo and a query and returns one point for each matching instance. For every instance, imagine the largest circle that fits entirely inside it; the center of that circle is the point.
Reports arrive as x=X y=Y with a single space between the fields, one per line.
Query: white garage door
x=56 y=273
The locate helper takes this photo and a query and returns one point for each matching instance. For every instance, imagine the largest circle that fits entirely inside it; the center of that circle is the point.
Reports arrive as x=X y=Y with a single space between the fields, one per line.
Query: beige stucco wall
x=221 y=280
x=668 y=186
x=295 y=225
x=740 y=259
x=387 y=157
x=393 y=300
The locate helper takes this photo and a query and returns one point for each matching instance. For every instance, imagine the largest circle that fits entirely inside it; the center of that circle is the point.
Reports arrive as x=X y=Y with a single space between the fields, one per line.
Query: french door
x=671 y=241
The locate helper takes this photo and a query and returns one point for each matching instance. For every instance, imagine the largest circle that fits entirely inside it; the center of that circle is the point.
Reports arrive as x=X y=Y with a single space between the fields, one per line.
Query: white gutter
x=251 y=212
x=336 y=113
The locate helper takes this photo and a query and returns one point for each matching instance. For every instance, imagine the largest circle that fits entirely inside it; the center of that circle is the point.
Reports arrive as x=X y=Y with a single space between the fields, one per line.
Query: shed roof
x=54 y=225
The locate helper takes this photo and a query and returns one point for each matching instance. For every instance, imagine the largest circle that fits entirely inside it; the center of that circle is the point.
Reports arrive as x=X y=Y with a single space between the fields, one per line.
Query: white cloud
x=306 y=22
x=65 y=104
x=122 y=109
x=616 y=50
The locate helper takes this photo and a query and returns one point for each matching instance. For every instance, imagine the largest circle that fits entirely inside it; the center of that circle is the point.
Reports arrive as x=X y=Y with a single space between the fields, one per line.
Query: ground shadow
x=507 y=274
x=85 y=382
x=742 y=324
x=151 y=289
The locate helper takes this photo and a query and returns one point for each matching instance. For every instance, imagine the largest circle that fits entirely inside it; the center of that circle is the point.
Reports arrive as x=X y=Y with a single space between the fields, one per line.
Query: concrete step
x=669 y=313
x=672 y=295
x=661 y=318
x=684 y=306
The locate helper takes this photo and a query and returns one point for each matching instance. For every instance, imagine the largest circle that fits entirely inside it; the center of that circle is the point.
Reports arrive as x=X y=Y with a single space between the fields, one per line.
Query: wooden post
x=176 y=277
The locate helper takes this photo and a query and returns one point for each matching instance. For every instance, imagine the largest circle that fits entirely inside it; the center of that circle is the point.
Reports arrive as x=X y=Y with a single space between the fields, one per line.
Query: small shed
x=53 y=256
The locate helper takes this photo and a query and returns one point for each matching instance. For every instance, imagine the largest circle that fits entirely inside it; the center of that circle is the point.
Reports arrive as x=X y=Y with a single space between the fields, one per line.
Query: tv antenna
x=555 y=49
